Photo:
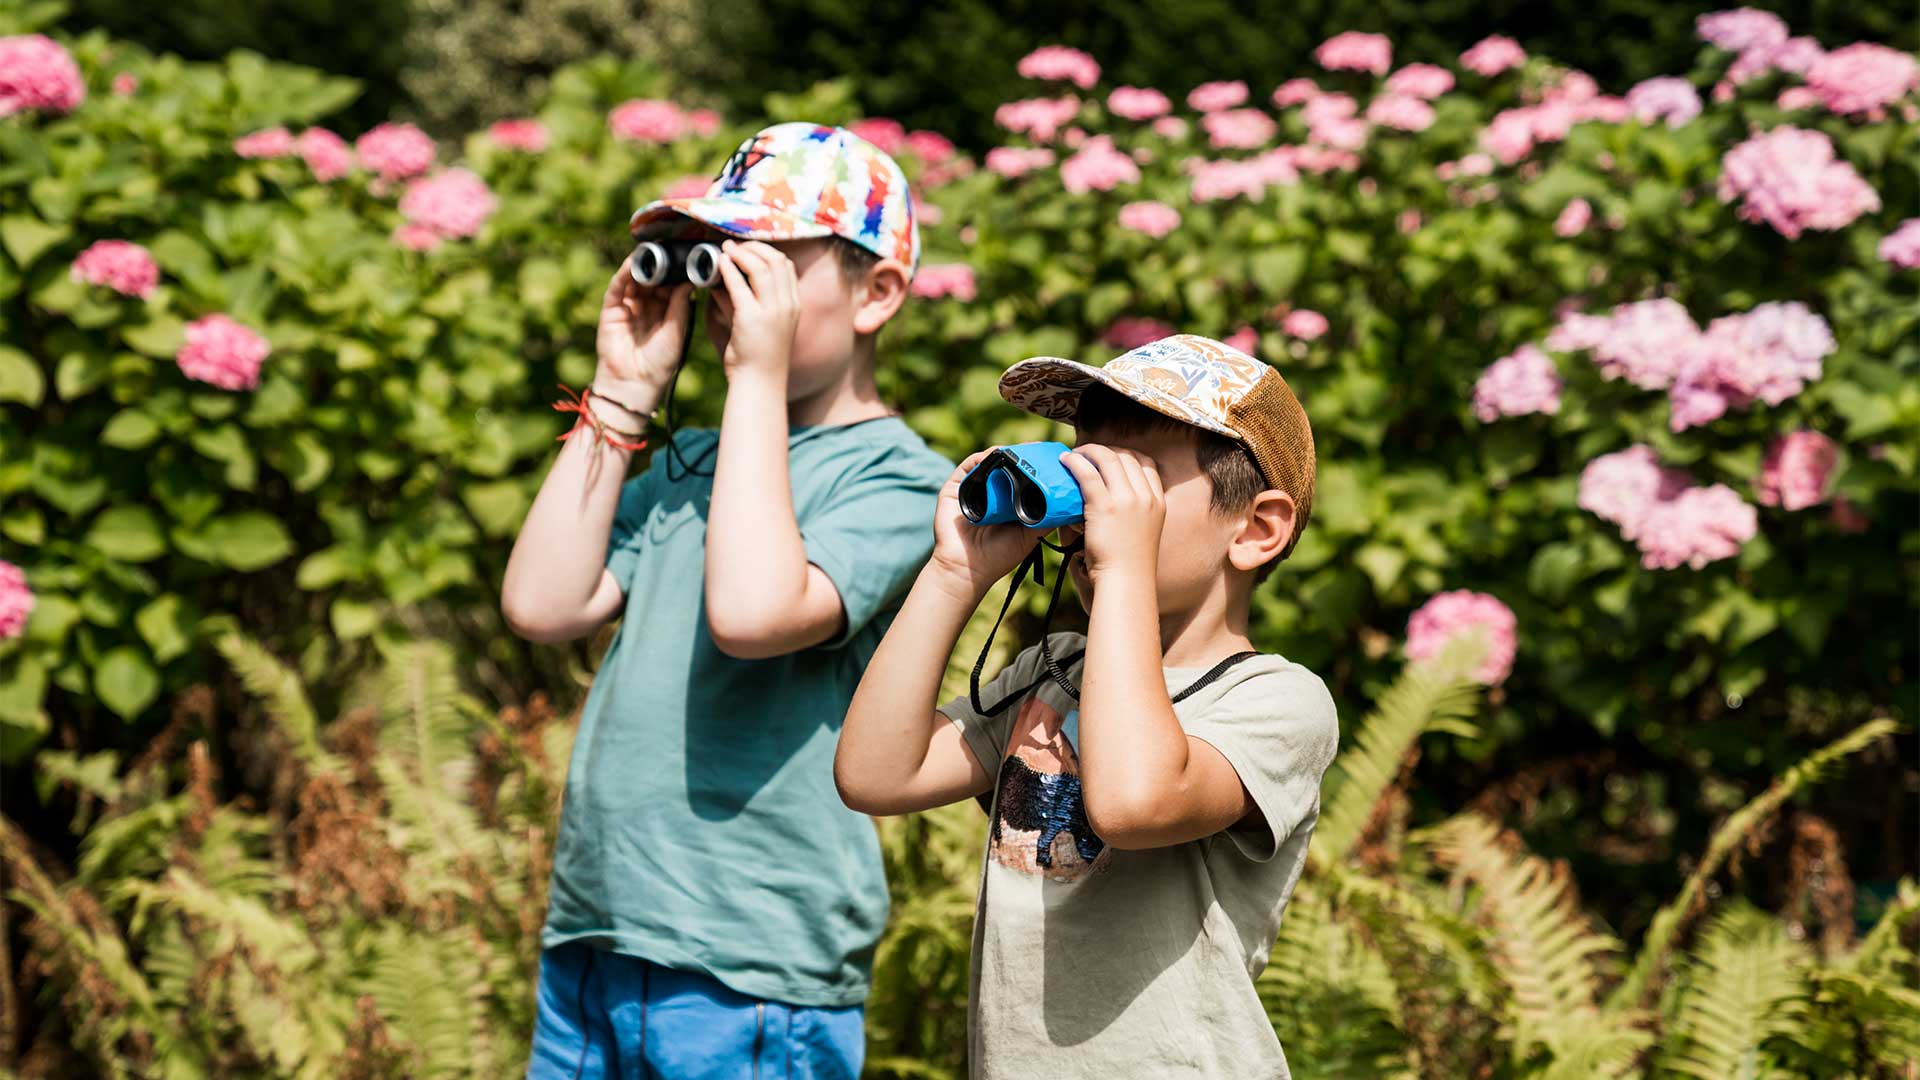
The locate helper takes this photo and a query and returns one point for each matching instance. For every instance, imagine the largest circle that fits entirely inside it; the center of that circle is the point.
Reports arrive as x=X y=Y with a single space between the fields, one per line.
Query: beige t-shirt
x=1099 y=963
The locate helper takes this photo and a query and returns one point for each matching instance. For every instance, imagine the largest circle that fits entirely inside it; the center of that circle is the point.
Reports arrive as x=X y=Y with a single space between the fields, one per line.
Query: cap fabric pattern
x=1198 y=381
x=795 y=181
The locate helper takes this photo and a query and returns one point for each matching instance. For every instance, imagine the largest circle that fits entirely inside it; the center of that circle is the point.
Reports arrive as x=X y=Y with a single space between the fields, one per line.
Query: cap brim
x=736 y=217
x=1051 y=386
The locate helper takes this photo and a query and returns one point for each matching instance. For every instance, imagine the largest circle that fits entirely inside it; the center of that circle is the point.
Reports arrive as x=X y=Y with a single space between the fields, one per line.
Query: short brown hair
x=854 y=260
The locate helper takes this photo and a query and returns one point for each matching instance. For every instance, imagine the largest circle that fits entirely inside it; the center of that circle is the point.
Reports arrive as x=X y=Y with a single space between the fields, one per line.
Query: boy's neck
x=1207 y=634
x=849 y=399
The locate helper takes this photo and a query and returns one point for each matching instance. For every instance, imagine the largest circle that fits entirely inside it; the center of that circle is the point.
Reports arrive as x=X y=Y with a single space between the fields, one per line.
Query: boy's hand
x=1125 y=508
x=638 y=342
x=763 y=302
x=975 y=556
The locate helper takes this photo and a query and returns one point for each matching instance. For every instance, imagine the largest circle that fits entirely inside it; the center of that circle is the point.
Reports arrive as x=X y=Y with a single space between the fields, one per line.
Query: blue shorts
x=601 y=1014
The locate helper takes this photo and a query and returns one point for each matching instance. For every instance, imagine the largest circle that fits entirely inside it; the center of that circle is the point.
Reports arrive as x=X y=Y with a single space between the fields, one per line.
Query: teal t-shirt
x=701 y=828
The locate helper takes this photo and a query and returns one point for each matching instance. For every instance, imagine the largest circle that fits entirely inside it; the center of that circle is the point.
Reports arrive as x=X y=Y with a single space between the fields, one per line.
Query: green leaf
x=20 y=377
x=159 y=337
x=165 y=625
x=353 y=618
x=128 y=533
x=1554 y=571
x=248 y=540
x=1277 y=269
x=78 y=373
x=126 y=682
x=26 y=237
x=130 y=429
x=497 y=505
x=324 y=568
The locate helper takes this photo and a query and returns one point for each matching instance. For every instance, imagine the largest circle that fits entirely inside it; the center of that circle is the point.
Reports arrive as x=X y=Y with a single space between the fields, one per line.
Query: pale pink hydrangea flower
x=1789 y=178
x=1074 y=138
x=1214 y=180
x=1098 y=166
x=1509 y=135
x=1355 y=51
x=395 y=151
x=1517 y=384
x=1214 y=96
x=924 y=212
x=220 y=351
x=1741 y=29
x=1331 y=121
x=526 y=136
x=1641 y=342
x=327 y=155
x=124 y=84
x=268 y=143
x=1622 y=487
x=1304 y=323
x=936 y=280
x=1062 y=63
x=124 y=267
x=930 y=147
x=37 y=73
x=687 y=187
x=1246 y=339
x=1492 y=55
x=1133 y=331
x=1664 y=98
x=1156 y=219
x=1424 y=81
x=1767 y=354
x=1037 y=118
x=16 y=600
x=704 y=123
x=1797 y=97
x=454 y=203
x=1400 y=112
x=1295 y=92
x=886 y=133
x=1901 y=247
x=1138 y=103
x=1672 y=522
x=1573 y=220
x=1797 y=470
x=1435 y=623
x=1409 y=221
x=1862 y=77
x=1796 y=55
x=643 y=120
x=1238 y=129
x=1170 y=127
x=1014 y=161
x=416 y=237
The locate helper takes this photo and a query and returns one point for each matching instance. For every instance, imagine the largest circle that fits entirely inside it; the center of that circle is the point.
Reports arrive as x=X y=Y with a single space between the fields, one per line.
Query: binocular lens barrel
x=656 y=264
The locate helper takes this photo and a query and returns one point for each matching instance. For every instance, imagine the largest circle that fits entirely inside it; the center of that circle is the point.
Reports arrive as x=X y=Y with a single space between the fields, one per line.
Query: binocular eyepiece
x=1024 y=482
x=655 y=263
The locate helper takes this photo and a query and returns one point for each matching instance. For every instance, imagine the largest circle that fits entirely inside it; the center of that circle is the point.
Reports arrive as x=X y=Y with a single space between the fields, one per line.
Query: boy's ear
x=879 y=296
x=1264 y=530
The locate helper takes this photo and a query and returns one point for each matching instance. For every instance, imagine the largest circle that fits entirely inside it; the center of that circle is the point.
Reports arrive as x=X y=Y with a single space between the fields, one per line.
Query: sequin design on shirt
x=1040 y=820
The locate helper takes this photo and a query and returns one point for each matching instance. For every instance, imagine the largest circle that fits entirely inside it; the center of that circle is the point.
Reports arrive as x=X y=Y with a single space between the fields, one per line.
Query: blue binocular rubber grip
x=1022 y=483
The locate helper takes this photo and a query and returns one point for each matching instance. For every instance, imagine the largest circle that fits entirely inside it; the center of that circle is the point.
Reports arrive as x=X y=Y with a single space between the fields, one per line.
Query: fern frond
x=424 y=725
x=1400 y=909
x=1667 y=921
x=279 y=688
x=429 y=990
x=1736 y=991
x=1331 y=995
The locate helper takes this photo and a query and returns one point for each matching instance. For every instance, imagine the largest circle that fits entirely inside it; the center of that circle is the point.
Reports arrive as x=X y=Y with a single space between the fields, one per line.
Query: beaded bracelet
x=577 y=403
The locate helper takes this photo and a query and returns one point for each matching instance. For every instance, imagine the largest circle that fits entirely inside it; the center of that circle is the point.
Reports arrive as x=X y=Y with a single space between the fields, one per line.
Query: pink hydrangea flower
x=1849 y=518
x=124 y=84
x=1796 y=55
x=16 y=600
x=1767 y=354
x=1170 y=127
x=643 y=120
x=1901 y=247
x=1133 y=331
x=526 y=136
x=1238 y=129
x=1400 y=112
x=1137 y=103
x=1062 y=63
x=453 y=203
x=1424 y=81
x=1623 y=486
x=936 y=280
x=395 y=151
x=930 y=147
x=1492 y=55
x=1664 y=98
x=704 y=123
x=1517 y=384
x=1214 y=96
x=417 y=237
x=1863 y=77
x=1797 y=97
x=220 y=351
x=124 y=267
x=1673 y=522
x=1355 y=51
x=1295 y=92
x=1037 y=118
x=1435 y=623
x=326 y=154
x=37 y=73
x=1098 y=166
x=1214 y=180
x=1789 y=178
x=887 y=134
x=1741 y=29
x=687 y=187
x=1304 y=323
x=269 y=143
x=1640 y=342
x=1797 y=470
x=1409 y=221
x=1014 y=161
x=1156 y=219
x=1509 y=135
x=1246 y=339
x=1573 y=219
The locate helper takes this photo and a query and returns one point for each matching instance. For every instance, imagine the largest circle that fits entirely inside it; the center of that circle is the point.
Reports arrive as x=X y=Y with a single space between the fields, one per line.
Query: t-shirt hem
x=639 y=946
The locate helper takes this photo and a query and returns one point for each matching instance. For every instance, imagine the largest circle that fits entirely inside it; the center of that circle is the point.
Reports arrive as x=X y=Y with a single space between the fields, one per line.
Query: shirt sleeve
x=873 y=537
x=986 y=735
x=624 y=543
x=1279 y=730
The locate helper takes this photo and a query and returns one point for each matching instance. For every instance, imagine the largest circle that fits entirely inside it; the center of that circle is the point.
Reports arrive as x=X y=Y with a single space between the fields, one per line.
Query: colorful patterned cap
x=798 y=180
x=1198 y=381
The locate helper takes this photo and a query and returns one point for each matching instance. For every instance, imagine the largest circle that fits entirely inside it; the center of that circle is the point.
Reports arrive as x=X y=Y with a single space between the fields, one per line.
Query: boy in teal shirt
x=714 y=907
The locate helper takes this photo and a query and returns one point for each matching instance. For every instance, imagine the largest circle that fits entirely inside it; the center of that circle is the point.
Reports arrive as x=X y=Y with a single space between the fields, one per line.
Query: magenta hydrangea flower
x=1901 y=247
x=1238 y=129
x=1355 y=51
x=1098 y=166
x=1797 y=470
x=1492 y=55
x=1156 y=219
x=1215 y=96
x=1137 y=103
x=1062 y=63
x=1133 y=331
x=526 y=136
x=1789 y=178
x=16 y=600
x=1400 y=112
x=1295 y=92
x=1038 y=118
x=1014 y=161
x=647 y=120
x=1573 y=219
x=1664 y=98
x=1741 y=29
x=395 y=151
x=1304 y=323
x=1444 y=616
x=124 y=267
x=271 y=142
x=936 y=280
x=37 y=73
x=454 y=203
x=1518 y=384
x=704 y=123
x=326 y=154
x=223 y=352
x=1863 y=77
x=930 y=146
x=886 y=133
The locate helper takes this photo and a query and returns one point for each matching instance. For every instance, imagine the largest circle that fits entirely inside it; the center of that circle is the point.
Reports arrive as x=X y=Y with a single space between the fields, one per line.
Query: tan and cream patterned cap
x=1198 y=381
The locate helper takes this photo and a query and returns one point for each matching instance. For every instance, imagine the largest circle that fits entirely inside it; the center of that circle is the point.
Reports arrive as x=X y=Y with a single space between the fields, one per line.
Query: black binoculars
x=657 y=263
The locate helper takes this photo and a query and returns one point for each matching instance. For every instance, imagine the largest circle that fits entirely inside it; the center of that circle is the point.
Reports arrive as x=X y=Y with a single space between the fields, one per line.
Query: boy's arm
x=1145 y=781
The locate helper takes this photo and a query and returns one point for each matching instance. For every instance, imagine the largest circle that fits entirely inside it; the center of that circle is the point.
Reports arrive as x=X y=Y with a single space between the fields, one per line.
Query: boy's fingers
x=1106 y=463
x=737 y=288
x=1093 y=491
x=618 y=287
x=751 y=264
x=678 y=303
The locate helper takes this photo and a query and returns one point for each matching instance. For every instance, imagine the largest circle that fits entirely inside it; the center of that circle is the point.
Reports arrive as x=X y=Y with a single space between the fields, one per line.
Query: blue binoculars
x=1022 y=483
